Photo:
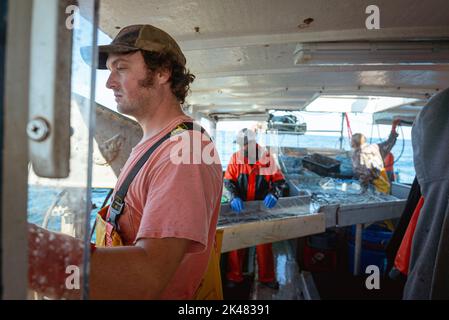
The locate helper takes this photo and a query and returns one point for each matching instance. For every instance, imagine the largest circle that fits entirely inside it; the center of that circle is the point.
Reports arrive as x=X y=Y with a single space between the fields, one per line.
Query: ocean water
x=40 y=198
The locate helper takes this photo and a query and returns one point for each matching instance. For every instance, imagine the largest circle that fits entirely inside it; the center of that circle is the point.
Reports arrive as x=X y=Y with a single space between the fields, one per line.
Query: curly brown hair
x=180 y=78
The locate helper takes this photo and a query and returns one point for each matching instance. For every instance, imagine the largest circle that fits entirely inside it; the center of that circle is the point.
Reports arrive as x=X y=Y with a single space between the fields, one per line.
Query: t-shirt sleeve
x=179 y=203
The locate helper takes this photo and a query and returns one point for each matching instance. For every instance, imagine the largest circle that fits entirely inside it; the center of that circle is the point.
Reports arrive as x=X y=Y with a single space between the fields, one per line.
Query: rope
x=403 y=146
x=371 y=134
x=348 y=125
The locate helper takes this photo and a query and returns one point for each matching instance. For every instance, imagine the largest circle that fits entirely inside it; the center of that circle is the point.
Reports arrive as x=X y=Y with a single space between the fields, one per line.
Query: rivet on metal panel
x=306 y=23
x=38 y=129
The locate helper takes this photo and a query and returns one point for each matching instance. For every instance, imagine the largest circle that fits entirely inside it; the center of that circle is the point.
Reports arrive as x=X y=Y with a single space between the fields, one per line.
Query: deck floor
x=287 y=274
x=336 y=285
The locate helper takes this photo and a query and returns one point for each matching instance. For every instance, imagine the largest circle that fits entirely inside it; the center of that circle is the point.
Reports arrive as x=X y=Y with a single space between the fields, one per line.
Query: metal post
x=213 y=129
x=342 y=127
x=195 y=114
x=3 y=16
x=14 y=187
x=358 y=248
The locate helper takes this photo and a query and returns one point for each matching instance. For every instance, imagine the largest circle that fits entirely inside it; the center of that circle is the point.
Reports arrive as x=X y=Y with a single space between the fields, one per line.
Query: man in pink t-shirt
x=171 y=200
x=171 y=208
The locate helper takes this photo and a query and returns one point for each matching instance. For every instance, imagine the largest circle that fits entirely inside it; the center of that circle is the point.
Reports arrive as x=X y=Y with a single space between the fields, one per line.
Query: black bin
x=322 y=165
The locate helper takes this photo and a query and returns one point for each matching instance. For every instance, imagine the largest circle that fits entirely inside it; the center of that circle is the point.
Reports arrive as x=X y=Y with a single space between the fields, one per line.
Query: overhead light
x=372 y=53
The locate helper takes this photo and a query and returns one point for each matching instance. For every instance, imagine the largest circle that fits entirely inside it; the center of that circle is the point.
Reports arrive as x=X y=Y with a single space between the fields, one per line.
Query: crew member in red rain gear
x=252 y=174
x=389 y=166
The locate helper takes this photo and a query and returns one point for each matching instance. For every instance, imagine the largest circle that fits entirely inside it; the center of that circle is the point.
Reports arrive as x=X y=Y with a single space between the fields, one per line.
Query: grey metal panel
x=372 y=212
x=330 y=213
x=406 y=112
x=400 y=190
x=358 y=249
x=50 y=83
x=15 y=155
x=309 y=290
x=333 y=20
x=115 y=135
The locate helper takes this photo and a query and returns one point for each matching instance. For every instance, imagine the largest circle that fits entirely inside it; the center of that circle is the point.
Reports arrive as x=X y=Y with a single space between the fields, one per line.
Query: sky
x=81 y=71
x=359 y=122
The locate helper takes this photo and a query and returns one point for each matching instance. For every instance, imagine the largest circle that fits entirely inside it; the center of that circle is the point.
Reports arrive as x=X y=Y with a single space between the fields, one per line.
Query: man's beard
x=130 y=108
x=148 y=82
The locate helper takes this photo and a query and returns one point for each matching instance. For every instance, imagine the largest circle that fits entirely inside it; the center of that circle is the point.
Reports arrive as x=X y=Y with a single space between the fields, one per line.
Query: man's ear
x=163 y=75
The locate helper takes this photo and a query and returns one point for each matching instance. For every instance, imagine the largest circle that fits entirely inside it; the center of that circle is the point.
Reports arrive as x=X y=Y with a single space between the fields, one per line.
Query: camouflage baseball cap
x=140 y=37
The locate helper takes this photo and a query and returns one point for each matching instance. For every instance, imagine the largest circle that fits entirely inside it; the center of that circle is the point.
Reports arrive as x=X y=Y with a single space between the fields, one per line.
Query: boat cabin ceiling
x=250 y=56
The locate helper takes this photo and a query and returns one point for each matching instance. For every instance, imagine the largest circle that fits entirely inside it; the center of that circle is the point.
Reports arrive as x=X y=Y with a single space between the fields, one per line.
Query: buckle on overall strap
x=115 y=211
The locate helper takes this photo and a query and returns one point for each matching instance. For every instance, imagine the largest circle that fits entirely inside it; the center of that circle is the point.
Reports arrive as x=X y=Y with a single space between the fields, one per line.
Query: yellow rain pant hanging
x=381 y=183
x=105 y=234
x=210 y=287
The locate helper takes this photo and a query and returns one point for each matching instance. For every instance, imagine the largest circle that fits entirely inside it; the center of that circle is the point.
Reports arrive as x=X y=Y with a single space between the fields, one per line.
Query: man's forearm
x=122 y=273
x=142 y=271
x=386 y=146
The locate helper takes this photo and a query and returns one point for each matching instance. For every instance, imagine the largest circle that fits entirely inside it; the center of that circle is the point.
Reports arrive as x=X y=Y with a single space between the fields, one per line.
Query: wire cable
x=371 y=134
x=403 y=145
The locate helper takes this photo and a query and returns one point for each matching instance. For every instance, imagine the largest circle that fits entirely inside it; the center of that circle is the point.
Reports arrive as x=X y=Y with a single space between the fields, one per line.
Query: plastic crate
x=322 y=165
x=374 y=242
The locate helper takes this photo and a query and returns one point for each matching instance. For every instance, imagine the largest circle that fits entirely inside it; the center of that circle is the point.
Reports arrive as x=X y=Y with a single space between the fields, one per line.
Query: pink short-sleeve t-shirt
x=177 y=193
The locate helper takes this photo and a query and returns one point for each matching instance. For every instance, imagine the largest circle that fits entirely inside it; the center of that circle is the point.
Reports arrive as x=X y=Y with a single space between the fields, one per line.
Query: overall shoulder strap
x=118 y=201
